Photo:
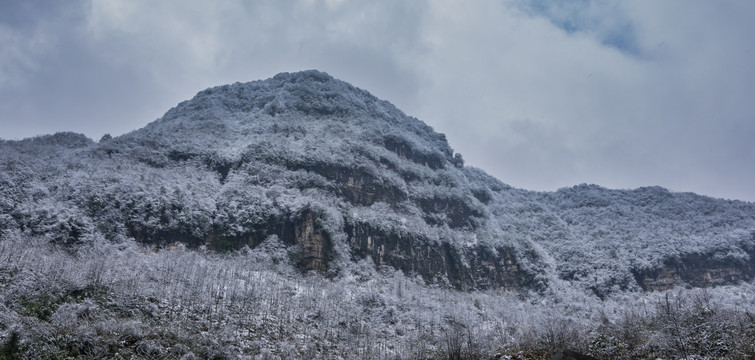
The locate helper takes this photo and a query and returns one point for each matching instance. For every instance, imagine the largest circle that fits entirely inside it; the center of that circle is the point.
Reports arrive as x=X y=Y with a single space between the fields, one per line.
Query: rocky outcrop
x=455 y=212
x=358 y=186
x=404 y=150
x=308 y=243
x=696 y=270
x=476 y=268
x=313 y=244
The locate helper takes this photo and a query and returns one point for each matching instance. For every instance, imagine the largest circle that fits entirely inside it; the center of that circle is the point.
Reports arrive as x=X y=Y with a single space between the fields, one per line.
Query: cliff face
x=698 y=271
x=339 y=176
x=477 y=267
x=312 y=244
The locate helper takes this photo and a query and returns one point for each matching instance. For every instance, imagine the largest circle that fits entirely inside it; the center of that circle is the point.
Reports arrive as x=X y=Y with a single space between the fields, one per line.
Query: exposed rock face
x=299 y=230
x=358 y=186
x=698 y=271
x=456 y=212
x=405 y=151
x=476 y=268
x=313 y=243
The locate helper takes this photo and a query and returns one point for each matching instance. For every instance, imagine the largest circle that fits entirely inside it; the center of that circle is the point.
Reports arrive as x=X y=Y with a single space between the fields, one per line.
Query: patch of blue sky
x=607 y=24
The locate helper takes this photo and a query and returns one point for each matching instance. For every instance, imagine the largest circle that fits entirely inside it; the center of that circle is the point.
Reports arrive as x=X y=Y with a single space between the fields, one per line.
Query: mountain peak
x=307 y=107
x=305 y=75
x=310 y=92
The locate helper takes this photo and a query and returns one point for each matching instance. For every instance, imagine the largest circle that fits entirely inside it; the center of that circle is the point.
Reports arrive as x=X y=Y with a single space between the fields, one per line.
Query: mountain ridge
x=337 y=175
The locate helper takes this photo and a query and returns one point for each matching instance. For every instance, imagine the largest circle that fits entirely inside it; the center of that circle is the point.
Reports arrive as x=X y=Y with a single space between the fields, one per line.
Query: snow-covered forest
x=300 y=217
x=126 y=301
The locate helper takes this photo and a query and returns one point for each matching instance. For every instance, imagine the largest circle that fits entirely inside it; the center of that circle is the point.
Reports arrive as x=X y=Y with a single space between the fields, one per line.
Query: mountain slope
x=326 y=172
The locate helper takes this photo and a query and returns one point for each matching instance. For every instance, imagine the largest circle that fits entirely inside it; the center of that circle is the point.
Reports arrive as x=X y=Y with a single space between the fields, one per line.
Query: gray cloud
x=622 y=120
x=540 y=94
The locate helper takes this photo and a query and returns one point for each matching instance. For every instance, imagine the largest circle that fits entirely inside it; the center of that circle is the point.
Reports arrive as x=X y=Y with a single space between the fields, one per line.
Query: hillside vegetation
x=123 y=301
x=310 y=189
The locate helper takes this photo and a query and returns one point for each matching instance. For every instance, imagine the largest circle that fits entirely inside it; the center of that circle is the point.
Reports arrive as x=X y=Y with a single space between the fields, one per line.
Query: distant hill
x=330 y=175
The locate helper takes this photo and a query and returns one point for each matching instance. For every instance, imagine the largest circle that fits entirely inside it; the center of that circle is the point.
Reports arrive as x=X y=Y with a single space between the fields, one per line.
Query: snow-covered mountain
x=328 y=174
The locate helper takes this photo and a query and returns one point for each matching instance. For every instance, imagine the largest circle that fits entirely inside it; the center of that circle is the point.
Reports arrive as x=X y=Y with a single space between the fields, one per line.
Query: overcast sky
x=541 y=94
